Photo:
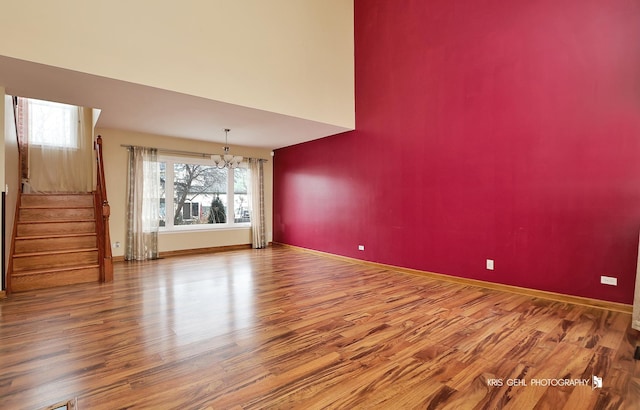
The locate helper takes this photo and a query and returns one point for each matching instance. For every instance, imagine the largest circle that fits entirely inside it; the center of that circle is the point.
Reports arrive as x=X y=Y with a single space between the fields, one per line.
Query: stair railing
x=103 y=212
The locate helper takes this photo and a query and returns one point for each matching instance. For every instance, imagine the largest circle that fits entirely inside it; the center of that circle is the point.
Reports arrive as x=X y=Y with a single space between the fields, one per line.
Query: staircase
x=55 y=243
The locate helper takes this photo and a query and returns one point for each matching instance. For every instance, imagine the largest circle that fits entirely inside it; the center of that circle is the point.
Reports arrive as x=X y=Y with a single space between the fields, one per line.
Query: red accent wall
x=494 y=129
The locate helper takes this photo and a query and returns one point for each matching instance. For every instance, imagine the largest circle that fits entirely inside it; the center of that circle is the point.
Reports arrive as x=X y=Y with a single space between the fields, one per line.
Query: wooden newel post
x=107 y=262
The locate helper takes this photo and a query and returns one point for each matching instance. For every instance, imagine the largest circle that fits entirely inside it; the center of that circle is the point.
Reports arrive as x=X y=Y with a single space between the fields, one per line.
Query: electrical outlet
x=360 y=247
x=489 y=264
x=608 y=280
x=116 y=244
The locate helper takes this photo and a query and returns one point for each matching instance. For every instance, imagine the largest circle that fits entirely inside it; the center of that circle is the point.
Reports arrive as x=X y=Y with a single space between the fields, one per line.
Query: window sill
x=203 y=228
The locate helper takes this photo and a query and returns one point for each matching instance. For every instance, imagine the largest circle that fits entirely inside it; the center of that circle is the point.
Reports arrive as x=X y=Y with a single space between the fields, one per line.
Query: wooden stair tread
x=59 y=252
x=50 y=221
x=34 y=272
x=56 y=206
x=59 y=195
x=63 y=235
x=56 y=193
x=56 y=241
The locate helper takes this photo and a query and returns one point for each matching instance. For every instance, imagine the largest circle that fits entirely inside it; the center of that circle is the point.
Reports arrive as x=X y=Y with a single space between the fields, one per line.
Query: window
x=52 y=124
x=190 y=211
x=199 y=195
x=241 y=195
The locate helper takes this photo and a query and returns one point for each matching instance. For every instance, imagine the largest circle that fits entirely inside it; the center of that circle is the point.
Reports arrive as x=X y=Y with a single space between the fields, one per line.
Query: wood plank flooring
x=279 y=328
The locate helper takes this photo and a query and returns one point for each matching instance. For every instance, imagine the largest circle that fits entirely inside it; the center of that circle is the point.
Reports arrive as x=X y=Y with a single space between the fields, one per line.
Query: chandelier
x=227 y=160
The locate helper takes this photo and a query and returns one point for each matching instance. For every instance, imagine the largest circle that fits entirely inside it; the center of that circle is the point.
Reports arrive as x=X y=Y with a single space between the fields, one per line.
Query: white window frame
x=169 y=204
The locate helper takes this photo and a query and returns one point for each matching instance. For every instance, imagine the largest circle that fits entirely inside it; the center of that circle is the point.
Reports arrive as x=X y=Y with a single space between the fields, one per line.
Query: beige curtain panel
x=143 y=204
x=256 y=169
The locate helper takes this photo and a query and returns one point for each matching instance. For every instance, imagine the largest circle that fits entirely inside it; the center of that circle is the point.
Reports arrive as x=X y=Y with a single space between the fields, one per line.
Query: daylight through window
x=198 y=195
x=52 y=124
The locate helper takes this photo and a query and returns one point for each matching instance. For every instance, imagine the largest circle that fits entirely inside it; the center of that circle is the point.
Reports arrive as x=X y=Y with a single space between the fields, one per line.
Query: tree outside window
x=202 y=194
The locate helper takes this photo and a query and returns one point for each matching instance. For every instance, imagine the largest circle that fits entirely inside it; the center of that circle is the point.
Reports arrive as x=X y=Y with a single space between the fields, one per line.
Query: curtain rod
x=184 y=153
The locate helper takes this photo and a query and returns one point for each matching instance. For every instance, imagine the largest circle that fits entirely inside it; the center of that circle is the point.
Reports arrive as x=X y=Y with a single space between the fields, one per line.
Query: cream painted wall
x=286 y=56
x=4 y=124
x=11 y=177
x=115 y=158
x=3 y=106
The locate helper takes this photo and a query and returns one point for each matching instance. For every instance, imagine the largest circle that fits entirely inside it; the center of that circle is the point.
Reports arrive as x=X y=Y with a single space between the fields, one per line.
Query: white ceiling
x=135 y=107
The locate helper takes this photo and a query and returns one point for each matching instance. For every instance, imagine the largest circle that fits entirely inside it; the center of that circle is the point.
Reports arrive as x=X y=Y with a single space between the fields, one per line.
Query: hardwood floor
x=280 y=328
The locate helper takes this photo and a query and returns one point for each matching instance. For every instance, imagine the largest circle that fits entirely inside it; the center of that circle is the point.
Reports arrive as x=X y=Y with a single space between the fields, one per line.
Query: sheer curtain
x=60 y=147
x=257 y=203
x=143 y=204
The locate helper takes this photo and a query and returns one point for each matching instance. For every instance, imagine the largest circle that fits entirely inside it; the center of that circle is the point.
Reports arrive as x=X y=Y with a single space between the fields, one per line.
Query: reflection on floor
x=281 y=328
